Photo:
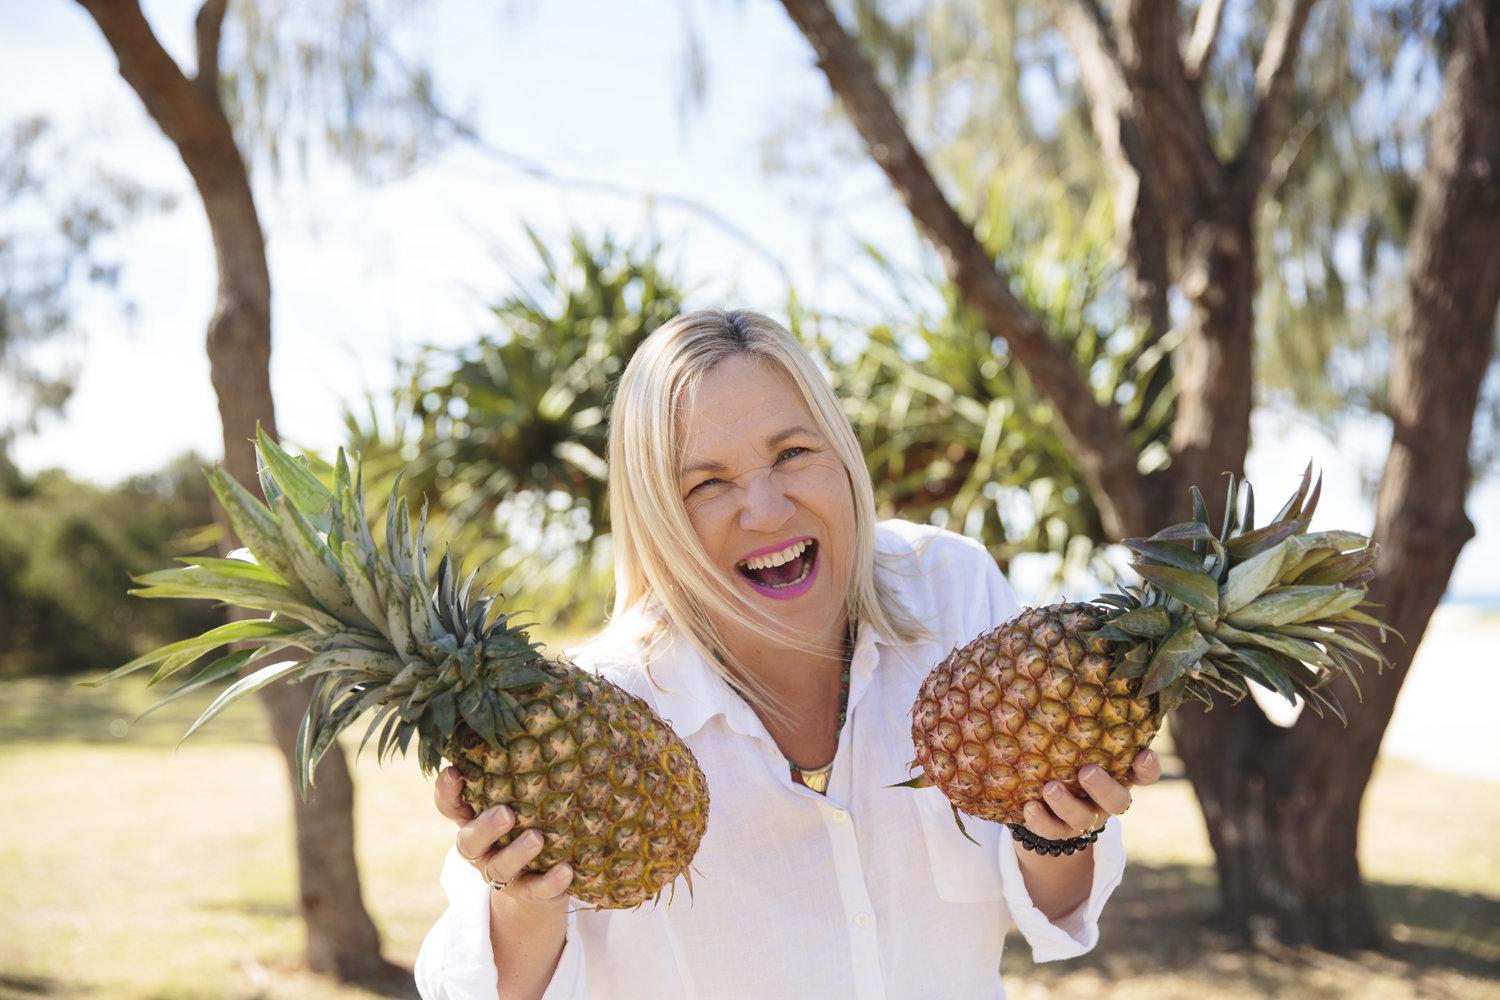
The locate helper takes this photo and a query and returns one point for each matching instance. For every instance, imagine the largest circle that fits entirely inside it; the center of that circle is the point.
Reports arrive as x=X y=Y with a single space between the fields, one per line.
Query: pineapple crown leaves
x=371 y=630
x=1277 y=605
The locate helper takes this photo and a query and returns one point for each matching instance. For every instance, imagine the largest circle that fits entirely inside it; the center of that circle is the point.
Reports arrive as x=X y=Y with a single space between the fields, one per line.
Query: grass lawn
x=130 y=870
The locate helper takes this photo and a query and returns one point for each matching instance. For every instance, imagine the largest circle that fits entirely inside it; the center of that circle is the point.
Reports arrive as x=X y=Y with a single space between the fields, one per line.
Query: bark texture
x=1282 y=806
x=341 y=938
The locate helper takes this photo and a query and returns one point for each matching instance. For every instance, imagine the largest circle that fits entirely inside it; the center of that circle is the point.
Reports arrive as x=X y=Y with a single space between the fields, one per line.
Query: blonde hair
x=662 y=573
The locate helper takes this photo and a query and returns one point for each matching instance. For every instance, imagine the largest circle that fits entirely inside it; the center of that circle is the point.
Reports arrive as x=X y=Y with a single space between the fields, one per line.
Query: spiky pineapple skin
x=1024 y=704
x=616 y=794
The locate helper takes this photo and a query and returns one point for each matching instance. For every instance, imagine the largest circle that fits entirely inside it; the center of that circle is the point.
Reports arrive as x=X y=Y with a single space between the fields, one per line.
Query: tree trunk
x=1211 y=426
x=341 y=938
x=1283 y=806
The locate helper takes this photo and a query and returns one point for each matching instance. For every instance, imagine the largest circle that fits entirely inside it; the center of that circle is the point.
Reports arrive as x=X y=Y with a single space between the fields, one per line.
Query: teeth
x=777 y=558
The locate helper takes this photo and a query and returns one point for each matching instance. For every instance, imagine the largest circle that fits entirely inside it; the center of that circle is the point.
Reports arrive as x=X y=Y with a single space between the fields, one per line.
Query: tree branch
x=194 y=120
x=1092 y=431
x=169 y=96
x=1273 y=82
x=1129 y=104
x=1083 y=26
x=1205 y=36
x=1143 y=228
x=1291 y=148
x=208 y=26
x=1167 y=104
x=1144 y=112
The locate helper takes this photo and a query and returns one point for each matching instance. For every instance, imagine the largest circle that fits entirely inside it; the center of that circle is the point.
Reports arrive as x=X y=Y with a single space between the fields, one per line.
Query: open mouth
x=785 y=573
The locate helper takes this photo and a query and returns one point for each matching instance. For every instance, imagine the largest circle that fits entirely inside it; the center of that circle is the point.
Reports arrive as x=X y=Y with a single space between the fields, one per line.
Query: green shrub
x=67 y=549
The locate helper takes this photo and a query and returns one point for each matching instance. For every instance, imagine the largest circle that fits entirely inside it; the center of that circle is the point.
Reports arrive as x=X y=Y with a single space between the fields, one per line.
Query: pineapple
x=1058 y=687
x=614 y=791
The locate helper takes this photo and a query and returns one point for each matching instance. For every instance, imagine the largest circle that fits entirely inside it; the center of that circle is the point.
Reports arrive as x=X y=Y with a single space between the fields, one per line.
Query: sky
x=363 y=272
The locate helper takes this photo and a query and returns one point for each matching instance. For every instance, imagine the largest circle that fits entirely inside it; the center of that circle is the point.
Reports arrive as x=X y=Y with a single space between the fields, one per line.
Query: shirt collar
x=689 y=692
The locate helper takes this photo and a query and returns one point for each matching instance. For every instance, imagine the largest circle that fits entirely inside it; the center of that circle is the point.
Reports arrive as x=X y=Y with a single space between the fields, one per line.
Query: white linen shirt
x=867 y=892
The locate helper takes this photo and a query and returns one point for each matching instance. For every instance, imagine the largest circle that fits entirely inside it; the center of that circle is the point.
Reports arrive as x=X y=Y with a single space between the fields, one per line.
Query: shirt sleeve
x=456 y=961
x=1073 y=933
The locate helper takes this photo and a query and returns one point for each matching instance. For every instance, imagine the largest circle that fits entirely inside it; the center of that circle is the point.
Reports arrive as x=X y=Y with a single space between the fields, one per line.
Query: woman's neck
x=807 y=684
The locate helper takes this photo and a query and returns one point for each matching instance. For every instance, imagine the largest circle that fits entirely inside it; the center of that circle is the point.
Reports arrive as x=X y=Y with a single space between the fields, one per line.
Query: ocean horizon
x=1475 y=602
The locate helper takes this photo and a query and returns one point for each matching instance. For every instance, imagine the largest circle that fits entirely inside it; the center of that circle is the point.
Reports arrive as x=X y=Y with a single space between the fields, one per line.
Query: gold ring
x=470 y=860
x=494 y=884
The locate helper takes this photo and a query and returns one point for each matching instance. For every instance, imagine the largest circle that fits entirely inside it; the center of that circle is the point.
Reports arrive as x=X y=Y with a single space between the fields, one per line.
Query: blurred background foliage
x=59 y=251
x=68 y=548
x=956 y=435
x=504 y=435
x=994 y=96
x=505 y=438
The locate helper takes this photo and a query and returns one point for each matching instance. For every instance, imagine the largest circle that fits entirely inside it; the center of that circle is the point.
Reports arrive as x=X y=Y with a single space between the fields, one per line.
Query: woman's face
x=768 y=497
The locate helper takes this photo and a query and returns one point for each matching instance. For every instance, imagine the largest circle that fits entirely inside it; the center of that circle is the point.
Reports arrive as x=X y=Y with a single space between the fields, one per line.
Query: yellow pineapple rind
x=1024 y=704
x=617 y=794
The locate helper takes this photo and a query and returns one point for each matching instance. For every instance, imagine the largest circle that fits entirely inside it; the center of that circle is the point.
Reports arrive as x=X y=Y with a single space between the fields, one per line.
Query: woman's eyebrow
x=781 y=436
x=771 y=442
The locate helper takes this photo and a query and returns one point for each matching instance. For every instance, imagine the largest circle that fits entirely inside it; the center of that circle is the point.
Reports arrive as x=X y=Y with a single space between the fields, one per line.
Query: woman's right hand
x=529 y=904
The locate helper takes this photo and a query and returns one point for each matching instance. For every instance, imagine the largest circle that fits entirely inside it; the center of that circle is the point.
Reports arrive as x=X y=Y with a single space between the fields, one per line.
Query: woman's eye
x=791 y=453
x=706 y=482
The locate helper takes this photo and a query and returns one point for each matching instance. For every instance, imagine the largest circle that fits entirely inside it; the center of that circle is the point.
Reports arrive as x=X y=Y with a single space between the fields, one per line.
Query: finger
x=448 y=793
x=551 y=884
x=509 y=862
x=1043 y=822
x=1146 y=768
x=1107 y=793
x=1078 y=814
x=476 y=838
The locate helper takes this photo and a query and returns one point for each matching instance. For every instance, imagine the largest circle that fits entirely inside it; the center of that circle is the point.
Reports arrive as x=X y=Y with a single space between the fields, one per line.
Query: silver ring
x=494 y=884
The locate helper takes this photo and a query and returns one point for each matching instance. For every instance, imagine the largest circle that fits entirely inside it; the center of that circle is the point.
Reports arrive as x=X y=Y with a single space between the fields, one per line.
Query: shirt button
x=862 y=920
x=840 y=816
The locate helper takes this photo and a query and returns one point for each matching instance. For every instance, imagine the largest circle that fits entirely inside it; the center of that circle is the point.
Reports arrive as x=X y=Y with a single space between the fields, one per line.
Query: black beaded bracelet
x=1042 y=845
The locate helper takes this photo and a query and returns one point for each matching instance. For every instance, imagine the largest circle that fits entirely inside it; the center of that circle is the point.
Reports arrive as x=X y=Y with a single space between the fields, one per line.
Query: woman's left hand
x=1063 y=815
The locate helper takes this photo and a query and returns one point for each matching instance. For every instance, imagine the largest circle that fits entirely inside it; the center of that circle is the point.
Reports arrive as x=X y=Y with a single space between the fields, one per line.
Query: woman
x=762 y=611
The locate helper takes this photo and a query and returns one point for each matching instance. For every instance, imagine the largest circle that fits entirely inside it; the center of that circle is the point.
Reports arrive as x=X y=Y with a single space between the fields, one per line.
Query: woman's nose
x=766 y=506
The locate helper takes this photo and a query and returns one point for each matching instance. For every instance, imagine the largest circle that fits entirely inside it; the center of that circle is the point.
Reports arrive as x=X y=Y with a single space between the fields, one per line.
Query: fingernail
x=533 y=837
x=1090 y=772
x=562 y=872
x=503 y=816
x=1052 y=788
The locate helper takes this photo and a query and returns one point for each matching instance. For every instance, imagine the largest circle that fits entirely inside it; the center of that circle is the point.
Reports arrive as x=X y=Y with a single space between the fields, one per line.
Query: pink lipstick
x=788 y=591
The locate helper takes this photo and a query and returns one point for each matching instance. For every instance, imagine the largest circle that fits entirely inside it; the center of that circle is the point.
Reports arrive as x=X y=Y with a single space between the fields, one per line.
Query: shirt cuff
x=457 y=961
x=1073 y=933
